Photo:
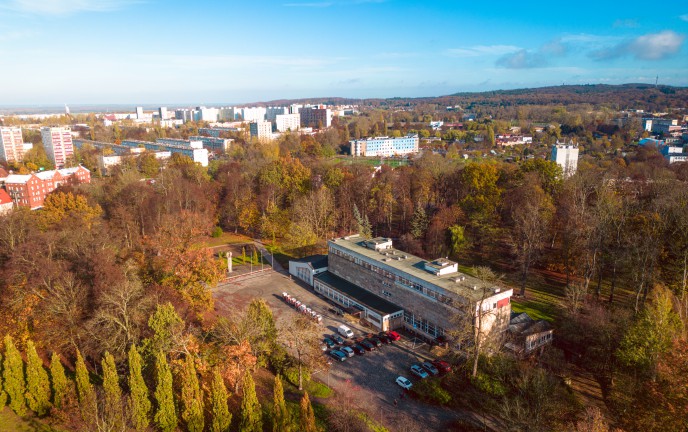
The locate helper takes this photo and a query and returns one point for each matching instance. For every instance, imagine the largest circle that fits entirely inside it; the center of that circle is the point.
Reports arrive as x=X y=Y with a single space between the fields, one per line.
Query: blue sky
x=154 y=51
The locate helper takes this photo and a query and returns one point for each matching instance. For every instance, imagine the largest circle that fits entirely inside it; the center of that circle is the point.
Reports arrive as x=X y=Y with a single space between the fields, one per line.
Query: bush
x=431 y=391
x=488 y=385
x=217 y=232
x=291 y=374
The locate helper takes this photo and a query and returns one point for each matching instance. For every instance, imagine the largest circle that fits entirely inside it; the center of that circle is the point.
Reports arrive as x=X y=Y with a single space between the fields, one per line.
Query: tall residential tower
x=57 y=142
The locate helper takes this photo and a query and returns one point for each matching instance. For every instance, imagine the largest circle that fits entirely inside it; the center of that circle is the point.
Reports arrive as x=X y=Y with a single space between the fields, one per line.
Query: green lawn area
x=373 y=161
x=10 y=422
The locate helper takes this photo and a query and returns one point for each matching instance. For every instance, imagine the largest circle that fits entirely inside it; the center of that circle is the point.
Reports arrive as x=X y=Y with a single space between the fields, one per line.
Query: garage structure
x=305 y=268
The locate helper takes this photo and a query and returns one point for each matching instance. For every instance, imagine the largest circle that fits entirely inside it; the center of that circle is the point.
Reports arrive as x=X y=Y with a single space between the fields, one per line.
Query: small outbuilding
x=305 y=268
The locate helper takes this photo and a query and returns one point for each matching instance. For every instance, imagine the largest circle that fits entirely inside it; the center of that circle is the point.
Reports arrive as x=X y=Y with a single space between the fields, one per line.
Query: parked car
x=404 y=383
x=347 y=350
x=337 y=355
x=345 y=331
x=442 y=366
x=337 y=339
x=336 y=311
x=367 y=345
x=393 y=335
x=329 y=342
x=374 y=341
x=358 y=349
x=384 y=338
x=418 y=371
x=430 y=368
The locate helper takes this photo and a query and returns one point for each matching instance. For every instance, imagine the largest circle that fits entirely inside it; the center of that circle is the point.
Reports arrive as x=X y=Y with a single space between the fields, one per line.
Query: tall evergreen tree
x=114 y=415
x=13 y=373
x=222 y=418
x=84 y=390
x=280 y=414
x=192 y=397
x=307 y=415
x=139 y=401
x=419 y=222
x=165 y=414
x=3 y=394
x=37 y=382
x=251 y=413
x=59 y=381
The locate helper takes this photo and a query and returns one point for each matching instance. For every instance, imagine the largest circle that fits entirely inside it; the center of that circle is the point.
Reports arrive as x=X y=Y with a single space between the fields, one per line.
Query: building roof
x=458 y=283
x=4 y=197
x=17 y=178
x=3 y=173
x=359 y=294
x=316 y=261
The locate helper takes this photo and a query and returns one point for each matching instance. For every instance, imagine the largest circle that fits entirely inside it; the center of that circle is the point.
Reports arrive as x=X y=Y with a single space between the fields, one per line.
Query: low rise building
x=215 y=145
x=385 y=146
x=30 y=190
x=526 y=336
x=192 y=149
x=306 y=268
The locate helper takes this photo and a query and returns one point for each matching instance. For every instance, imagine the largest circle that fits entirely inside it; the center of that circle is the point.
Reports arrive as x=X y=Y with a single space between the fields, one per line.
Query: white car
x=404 y=383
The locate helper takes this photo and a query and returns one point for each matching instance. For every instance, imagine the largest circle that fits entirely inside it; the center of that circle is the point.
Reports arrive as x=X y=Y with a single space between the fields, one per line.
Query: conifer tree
x=222 y=418
x=84 y=390
x=251 y=413
x=139 y=402
x=280 y=414
x=192 y=397
x=13 y=374
x=59 y=381
x=307 y=415
x=165 y=414
x=3 y=395
x=37 y=382
x=114 y=416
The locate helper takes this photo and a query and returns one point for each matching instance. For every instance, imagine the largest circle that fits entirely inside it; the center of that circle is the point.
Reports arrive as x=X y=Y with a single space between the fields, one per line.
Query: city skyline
x=143 y=52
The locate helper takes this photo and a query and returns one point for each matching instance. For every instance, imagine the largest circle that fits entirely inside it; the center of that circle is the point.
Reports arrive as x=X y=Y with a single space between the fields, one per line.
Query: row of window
x=420 y=323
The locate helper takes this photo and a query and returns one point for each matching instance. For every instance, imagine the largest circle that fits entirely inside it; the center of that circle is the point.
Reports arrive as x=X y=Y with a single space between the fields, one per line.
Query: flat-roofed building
x=58 y=145
x=287 y=122
x=385 y=146
x=261 y=130
x=11 y=144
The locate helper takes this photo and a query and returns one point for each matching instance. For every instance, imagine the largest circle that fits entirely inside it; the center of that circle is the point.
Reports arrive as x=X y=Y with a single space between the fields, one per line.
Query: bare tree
x=302 y=337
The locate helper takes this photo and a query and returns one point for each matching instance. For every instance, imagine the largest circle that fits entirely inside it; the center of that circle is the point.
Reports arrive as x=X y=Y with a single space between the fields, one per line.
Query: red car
x=393 y=335
x=442 y=366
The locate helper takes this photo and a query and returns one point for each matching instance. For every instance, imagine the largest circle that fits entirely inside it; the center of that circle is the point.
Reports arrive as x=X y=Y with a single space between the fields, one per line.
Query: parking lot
x=369 y=378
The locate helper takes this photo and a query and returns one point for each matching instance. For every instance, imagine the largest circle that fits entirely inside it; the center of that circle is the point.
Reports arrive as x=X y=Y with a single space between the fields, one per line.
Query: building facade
x=315 y=117
x=287 y=122
x=11 y=144
x=385 y=146
x=566 y=156
x=215 y=145
x=30 y=190
x=58 y=145
x=261 y=130
x=429 y=293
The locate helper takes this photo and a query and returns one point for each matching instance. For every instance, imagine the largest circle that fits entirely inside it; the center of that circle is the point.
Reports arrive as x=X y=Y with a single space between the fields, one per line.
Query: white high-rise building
x=261 y=130
x=163 y=113
x=287 y=122
x=139 y=112
x=255 y=114
x=566 y=156
x=11 y=144
x=58 y=145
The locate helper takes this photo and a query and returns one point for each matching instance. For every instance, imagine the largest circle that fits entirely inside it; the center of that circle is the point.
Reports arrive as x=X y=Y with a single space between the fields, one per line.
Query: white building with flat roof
x=11 y=144
x=385 y=146
x=287 y=122
x=261 y=130
x=58 y=145
x=566 y=156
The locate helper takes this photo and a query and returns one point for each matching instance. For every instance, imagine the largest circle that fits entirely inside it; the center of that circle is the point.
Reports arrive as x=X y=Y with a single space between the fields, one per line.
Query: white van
x=345 y=331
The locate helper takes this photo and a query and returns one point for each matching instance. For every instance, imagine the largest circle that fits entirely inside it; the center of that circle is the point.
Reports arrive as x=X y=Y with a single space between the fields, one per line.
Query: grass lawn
x=11 y=422
x=226 y=238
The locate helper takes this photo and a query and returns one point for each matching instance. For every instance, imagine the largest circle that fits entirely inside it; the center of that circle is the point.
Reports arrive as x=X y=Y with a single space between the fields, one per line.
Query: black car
x=329 y=342
x=430 y=368
x=358 y=349
x=338 y=355
x=375 y=341
x=384 y=338
x=367 y=345
x=337 y=339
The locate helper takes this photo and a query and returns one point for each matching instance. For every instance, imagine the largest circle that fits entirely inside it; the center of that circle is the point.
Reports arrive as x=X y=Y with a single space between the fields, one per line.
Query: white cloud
x=653 y=46
x=482 y=50
x=65 y=7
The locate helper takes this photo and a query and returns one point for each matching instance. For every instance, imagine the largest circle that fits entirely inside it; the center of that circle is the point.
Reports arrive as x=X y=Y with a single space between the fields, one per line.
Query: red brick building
x=30 y=190
x=5 y=202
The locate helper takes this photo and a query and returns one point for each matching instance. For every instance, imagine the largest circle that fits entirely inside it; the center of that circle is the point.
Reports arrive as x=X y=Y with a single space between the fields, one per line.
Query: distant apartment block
x=512 y=140
x=261 y=130
x=385 y=146
x=139 y=112
x=215 y=145
x=272 y=112
x=566 y=156
x=287 y=122
x=163 y=114
x=192 y=149
x=206 y=114
x=30 y=190
x=254 y=114
x=660 y=125
x=11 y=144
x=317 y=117
x=215 y=132
x=58 y=145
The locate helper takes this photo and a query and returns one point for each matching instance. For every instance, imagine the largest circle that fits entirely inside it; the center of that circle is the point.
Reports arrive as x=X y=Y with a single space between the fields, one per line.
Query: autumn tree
x=191 y=397
x=113 y=413
x=13 y=376
x=251 y=412
x=221 y=417
x=302 y=336
x=139 y=401
x=307 y=415
x=58 y=380
x=165 y=413
x=60 y=205
x=37 y=382
x=255 y=324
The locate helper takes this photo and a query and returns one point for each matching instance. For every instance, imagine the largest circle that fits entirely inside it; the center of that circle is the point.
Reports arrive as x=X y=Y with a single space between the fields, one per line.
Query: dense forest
x=108 y=285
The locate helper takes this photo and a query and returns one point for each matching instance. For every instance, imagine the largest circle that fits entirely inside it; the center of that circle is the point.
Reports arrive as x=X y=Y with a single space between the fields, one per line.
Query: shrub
x=431 y=391
x=488 y=385
x=217 y=232
x=291 y=374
